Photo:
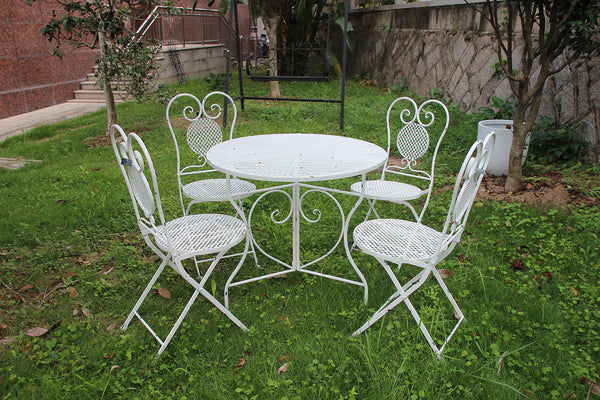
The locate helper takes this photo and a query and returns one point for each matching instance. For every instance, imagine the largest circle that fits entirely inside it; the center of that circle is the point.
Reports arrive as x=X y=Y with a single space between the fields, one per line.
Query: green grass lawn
x=72 y=261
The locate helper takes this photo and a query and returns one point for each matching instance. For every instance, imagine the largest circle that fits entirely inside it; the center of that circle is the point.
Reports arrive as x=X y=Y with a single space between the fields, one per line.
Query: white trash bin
x=504 y=133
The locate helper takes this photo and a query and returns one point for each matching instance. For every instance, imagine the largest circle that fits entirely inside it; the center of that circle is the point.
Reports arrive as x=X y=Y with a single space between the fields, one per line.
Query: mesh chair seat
x=388 y=190
x=397 y=240
x=201 y=234
x=216 y=189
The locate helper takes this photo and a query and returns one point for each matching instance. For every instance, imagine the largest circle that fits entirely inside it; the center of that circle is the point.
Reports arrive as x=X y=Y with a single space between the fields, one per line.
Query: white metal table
x=297 y=159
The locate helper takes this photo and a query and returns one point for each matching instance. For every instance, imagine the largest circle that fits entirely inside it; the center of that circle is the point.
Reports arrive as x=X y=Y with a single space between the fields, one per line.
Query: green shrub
x=553 y=144
x=500 y=109
x=216 y=81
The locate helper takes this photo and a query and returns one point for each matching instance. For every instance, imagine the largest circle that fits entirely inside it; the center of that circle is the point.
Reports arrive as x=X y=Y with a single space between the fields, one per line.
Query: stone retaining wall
x=196 y=61
x=446 y=45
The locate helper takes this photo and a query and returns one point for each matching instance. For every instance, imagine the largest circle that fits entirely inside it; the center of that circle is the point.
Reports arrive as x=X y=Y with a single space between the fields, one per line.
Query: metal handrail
x=186 y=27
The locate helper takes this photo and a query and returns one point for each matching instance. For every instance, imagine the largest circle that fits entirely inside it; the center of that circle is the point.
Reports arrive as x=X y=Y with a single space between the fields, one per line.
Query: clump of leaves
x=500 y=109
x=552 y=144
x=216 y=81
x=399 y=88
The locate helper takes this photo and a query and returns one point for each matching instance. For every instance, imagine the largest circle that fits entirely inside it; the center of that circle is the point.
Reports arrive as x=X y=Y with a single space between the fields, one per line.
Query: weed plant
x=72 y=261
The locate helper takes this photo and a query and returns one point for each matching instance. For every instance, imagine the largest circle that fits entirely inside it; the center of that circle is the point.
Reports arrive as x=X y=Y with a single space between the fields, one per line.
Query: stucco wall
x=446 y=45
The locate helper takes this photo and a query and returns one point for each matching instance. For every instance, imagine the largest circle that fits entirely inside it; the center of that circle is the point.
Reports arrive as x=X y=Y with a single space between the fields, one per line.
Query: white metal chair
x=411 y=180
x=394 y=241
x=176 y=240
x=195 y=131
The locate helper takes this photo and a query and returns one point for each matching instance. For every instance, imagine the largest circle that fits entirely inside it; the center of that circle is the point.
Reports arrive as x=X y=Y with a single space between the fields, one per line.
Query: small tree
x=102 y=24
x=536 y=39
x=270 y=11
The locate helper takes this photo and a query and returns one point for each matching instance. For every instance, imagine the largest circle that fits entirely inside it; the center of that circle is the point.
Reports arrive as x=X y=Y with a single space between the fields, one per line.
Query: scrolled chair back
x=467 y=184
x=138 y=171
x=413 y=139
x=203 y=129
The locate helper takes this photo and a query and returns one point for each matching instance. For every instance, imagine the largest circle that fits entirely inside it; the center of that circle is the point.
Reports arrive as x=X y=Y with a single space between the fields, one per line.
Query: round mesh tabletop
x=295 y=157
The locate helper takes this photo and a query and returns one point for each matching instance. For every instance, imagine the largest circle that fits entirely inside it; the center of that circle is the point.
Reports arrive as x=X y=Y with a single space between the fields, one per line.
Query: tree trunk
x=521 y=129
x=111 y=109
x=515 y=158
x=271 y=28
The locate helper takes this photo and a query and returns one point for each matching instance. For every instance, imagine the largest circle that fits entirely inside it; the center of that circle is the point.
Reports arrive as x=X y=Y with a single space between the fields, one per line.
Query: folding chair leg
x=224 y=310
x=167 y=340
x=199 y=286
x=424 y=329
x=144 y=294
x=402 y=295
x=392 y=302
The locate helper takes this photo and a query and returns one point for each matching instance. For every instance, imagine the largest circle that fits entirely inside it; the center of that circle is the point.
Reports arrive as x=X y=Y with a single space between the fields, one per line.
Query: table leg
x=347 y=246
x=296 y=226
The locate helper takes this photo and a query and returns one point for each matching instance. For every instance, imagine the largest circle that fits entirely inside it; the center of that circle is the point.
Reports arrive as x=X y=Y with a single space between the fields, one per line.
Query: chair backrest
x=138 y=170
x=411 y=132
x=196 y=126
x=467 y=184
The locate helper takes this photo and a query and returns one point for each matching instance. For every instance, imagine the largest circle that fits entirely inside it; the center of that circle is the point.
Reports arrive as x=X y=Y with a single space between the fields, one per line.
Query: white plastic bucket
x=504 y=133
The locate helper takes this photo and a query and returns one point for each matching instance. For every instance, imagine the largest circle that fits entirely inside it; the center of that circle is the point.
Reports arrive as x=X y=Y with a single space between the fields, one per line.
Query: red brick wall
x=31 y=77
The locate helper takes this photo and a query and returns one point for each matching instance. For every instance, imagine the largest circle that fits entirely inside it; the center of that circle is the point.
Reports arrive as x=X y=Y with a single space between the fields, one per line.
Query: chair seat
x=216 y=189
x=381 y=189
x=201 y=234
x=397 y=240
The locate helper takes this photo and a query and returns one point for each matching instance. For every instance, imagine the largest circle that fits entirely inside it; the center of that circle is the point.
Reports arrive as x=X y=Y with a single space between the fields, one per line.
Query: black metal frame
x=233 y=21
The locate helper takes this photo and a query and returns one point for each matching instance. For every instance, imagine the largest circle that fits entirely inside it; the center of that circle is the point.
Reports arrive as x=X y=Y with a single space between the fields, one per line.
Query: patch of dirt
x=99 y=141
x=545 y=191
x=548 y=189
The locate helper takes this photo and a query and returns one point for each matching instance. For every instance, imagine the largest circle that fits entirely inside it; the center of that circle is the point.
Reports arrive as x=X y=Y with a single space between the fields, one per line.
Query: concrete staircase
x=92 y=93
x=194 y=61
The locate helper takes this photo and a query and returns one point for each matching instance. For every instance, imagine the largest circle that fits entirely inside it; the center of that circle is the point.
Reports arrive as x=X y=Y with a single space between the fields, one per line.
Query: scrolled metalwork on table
x=273 y=216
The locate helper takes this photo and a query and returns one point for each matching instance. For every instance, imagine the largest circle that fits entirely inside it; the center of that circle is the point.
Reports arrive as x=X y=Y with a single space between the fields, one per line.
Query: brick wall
x=31 y=77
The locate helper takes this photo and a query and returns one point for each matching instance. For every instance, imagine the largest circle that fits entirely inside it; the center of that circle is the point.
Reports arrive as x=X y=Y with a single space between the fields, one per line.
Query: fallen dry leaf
x=283 y=368
x=6 y=340
x=25 y=288
x=86 y=312
x=113 y=368
x=574 y=291
x=445 y=273
x=111 y=327
x=241 y=364
x=164 y=293
x=286 y=357
x=36 y=332
x=75 y=312
x=456 y=315
x=72 y=292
